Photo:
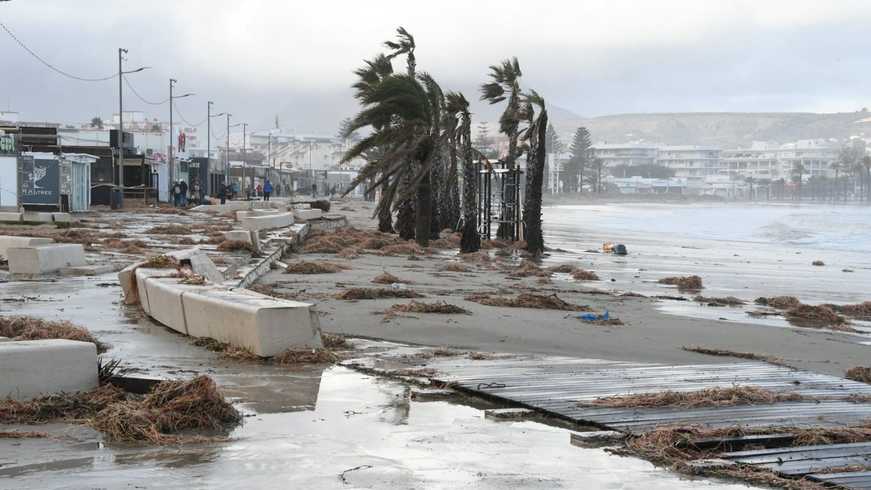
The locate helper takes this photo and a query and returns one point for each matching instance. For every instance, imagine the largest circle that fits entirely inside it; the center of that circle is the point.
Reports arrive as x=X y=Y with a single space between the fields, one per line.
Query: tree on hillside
x=579 y=161
x=504 y=85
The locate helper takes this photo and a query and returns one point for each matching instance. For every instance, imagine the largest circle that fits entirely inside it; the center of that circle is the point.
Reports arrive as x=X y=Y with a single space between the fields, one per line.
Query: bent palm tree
x=408 y=139
x=505 y=84
x=461 y=135
x=536 y=156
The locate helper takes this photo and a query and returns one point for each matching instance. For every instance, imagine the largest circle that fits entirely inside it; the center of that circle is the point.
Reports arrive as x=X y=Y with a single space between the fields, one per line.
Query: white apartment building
x=629 y=154
x=694 y=163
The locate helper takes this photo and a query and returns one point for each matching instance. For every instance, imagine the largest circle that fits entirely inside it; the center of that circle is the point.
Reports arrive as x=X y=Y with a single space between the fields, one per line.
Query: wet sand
x=649 y=334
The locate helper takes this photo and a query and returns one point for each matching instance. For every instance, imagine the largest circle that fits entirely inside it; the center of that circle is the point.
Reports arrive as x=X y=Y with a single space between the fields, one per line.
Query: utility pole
x=209 y=117
x=120 y=160
x=227 y=154
x=173 y=81
x=244 y=162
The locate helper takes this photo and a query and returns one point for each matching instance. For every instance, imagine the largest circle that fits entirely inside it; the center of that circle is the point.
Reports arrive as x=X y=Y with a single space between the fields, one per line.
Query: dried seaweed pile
x=435 y=307
x=388 y=278
x=29 y=328
x=169 y=229
x=235 y=245
x=378 y=293
x=315 y=267
x=709 y=397
x=683 y=283
x=859 y=373
x=526 y=300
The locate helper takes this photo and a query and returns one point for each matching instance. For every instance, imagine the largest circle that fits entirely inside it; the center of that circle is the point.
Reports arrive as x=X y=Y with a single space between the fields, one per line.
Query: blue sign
x=38 y=181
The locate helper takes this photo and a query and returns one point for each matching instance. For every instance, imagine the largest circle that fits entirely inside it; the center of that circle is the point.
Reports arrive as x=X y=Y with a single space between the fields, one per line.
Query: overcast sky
x=262 y=58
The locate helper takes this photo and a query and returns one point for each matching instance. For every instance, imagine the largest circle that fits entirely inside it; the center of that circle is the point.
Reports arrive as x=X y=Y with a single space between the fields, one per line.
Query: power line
x=181 y=116
x=49 y=65
x=140 y=97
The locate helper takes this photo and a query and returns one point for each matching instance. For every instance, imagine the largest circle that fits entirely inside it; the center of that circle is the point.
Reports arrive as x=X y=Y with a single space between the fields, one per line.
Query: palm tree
x=403 y=114
x=370 y=75
x=798 y=172
x=461 y=137
x=450 y=214
x=536 y=157
x=505 y=84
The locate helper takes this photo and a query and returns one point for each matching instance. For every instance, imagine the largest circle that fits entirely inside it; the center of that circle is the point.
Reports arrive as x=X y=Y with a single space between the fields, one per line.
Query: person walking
x=176 y=194
x=222 y=193
x=267 y=190
x=195 y=192
x=184 y=193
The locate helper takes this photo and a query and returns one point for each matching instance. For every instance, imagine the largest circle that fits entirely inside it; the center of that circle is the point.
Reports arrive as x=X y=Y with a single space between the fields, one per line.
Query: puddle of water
x=360 y=428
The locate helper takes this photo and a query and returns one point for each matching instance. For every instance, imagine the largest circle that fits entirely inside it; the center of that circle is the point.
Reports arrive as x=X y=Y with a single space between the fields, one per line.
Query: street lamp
x=173 y=81
x=115 y=177
x=209 y=117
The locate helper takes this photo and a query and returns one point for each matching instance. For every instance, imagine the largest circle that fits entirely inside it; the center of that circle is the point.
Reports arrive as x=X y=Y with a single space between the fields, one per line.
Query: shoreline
x=649 y=334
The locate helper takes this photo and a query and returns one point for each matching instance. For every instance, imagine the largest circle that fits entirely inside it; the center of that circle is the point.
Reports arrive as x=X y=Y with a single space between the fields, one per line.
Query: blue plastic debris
x=593 y=317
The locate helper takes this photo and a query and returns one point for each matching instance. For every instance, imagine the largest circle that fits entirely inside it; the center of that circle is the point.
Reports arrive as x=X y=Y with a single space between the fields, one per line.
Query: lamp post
x=209 y=117
x=173 y=81
x=121 y=73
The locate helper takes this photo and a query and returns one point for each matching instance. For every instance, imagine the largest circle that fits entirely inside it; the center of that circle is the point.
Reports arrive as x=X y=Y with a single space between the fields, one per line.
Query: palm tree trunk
x=405 y=211
x=436 y=194
x=385 y=216
x=471 y=240
x=534 y=180
x=423 y=211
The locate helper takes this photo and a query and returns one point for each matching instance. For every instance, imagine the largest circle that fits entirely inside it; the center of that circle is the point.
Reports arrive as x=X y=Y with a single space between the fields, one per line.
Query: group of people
x=182 y=193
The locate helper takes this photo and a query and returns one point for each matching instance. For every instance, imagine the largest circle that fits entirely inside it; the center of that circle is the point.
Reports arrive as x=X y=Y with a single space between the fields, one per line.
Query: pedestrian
x=176 y=194
x=222 y=193
x=314 y=190
x=267 y=190
x=195 y=192
x=184 y=193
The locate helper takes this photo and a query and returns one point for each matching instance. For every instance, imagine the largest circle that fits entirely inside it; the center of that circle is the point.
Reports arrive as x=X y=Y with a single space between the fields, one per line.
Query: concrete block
x=33 y=368
x=141 y=274
x=62 y=217
x=7 y=242
x=265 y=325
x=199 y=262
x=164 y=296
x=223 y=208
x=37 y=216
x=45 y=258
x=238 y=236
x=267 y=222
x=10 y=216
x=307 y=214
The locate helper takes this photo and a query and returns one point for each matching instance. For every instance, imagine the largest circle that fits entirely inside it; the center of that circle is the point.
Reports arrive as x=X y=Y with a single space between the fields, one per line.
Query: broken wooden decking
x=558 y=386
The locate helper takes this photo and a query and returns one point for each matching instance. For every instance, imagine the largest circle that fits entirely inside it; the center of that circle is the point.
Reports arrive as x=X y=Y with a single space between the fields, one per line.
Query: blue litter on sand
x=592 y=317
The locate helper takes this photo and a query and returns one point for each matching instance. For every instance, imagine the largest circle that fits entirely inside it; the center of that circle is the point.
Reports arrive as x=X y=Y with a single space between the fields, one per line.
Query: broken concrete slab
x=265 y=325
x=33 y=368
x=41 y=259
x=307 y=214
x=62 y=217
x=7 y=242
x=37 y=217
x=267 y=222
x=199 y=262
x=239 y=236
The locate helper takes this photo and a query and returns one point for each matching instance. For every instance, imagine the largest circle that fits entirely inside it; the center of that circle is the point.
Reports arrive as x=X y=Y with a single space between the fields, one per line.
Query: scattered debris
x=818 y=316
x=437 y=307
x=719 y=301
x=561 y=269
x=234 y=245
x=740 y=355
x=334 y=341
x=315 y=267
x=22 y=435
x=376 y=293
x=596 y=319
x=859 y=311
x=305 y=356
x=388 y=278
x=614 y=248
x=685 y=283
x=526 y=300
x=29 y=328
x=818 y=263
x=348 y=253
x=779 y=302
x=709 y=397
x=859 y=373
x=160 y=262
x=407 y=248
x=528 y=269
x=225 y=349
x=584 y=275
x=455 y=267
x=169 y=229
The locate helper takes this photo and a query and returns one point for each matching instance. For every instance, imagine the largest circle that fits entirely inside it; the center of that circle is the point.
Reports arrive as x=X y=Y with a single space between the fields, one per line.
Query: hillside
x=723 y=129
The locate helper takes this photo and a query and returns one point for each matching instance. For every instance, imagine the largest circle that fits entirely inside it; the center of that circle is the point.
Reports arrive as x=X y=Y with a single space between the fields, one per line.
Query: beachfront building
x=629 y=154
x=817 y=157
x=693 y=163
x=759 y=162
x=644 y=185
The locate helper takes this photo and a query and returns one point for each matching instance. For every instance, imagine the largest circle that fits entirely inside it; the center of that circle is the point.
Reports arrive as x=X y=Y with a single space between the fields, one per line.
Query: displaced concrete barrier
x=10 y=216
x=40 y=259
x=262 y=324
x=267 y=221
x=307 y=214
x=241 y=236
x=33 y=368
x=7 y=242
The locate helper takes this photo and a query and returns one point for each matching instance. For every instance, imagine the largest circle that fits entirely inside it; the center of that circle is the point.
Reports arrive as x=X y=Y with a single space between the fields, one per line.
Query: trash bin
x=116 y=199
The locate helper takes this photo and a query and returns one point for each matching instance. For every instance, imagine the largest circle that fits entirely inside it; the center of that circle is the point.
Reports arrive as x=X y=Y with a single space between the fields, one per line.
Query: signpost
x=7 y=144
x=38 y=181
